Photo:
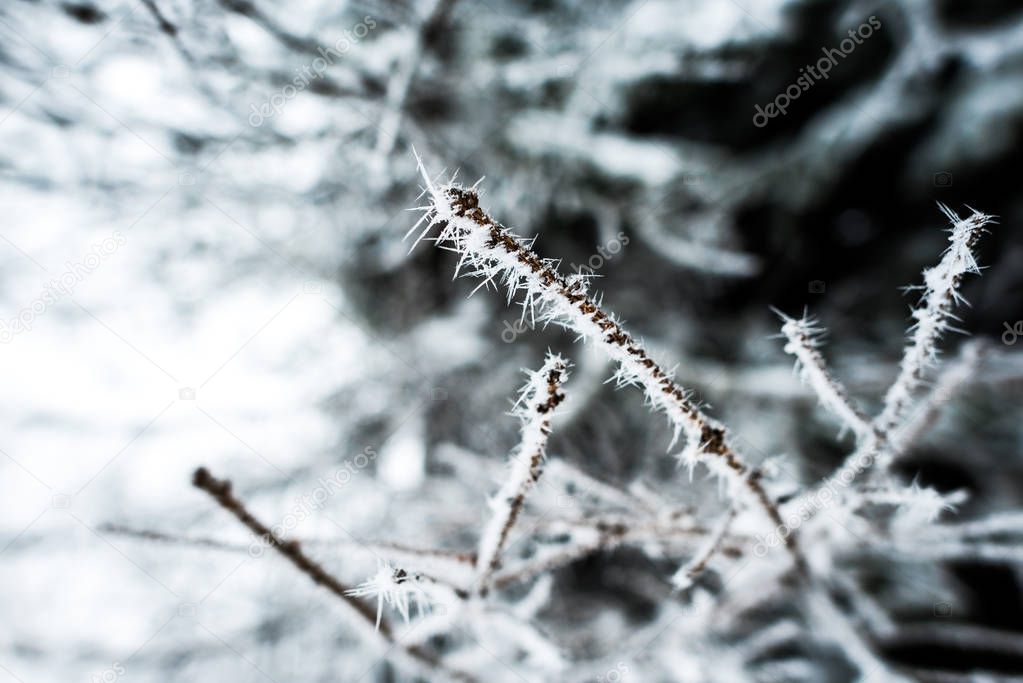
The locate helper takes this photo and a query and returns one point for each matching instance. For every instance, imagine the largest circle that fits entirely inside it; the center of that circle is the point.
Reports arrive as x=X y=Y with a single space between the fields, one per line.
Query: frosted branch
x=933 y=314
x=220 y=491
x=496 y=257
x=804 y=340
x=688 y=573
x=949 y=382
x=916 y=502
x=394 y=587
x=826 y=618
x=537 y=403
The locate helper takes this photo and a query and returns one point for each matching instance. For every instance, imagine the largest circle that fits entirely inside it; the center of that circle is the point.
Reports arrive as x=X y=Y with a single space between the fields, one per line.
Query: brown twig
x=169 y=538
x=220 y=491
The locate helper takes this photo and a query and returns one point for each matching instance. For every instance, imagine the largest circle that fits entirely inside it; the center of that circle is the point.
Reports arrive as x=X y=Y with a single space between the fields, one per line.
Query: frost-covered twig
x=707 y=258
x=958 y=636
x=604 y=535
x=448 y=562
x=393 y=586
x=568 y=477
x=918 y=502
x=220 y=491
x=996 y=524
x=949 y=382
x=870 y=613
x=803 y=337
x=826 y=619
x=916 y=550
x=537 y=403
x=932 y=315
x=492 y=254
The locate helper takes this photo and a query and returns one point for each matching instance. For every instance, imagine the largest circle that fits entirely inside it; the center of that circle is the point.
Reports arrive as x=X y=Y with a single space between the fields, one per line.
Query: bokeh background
x=201 y=262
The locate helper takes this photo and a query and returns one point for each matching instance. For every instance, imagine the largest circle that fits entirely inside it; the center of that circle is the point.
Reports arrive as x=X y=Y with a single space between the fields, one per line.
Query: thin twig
x=492 y=252
x=172 y=539
x=400 y=86
x=541 y=396
x=220 y=491
x=691 y=570
x=803 y=336
x=932 y=315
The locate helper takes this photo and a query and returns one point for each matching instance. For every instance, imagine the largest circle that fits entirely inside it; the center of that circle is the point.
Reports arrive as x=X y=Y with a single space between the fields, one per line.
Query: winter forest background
x=202 y=263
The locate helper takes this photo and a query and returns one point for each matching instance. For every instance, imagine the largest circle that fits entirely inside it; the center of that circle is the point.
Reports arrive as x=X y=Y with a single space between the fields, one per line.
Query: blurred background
x=201 y=263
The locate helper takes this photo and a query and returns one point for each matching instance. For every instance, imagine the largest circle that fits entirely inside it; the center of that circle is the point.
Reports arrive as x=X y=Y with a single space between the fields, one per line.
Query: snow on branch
x=933 y=314
x=826 y=618
x=540 y=396
x=999 y=523
x=804 y=340
x=496 y=257
x=919 y=503
x=393 y=586
x=428 y=563
x=220 y=491
x=951 y=380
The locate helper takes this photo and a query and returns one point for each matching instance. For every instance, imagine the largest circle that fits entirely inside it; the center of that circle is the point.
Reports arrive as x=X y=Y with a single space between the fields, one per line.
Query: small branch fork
x=491 y=252
x=220 y=491
x=541 y=396
x=932 y=315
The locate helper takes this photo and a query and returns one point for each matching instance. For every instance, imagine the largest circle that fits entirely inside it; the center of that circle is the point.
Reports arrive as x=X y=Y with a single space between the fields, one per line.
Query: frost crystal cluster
x=769 y=583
